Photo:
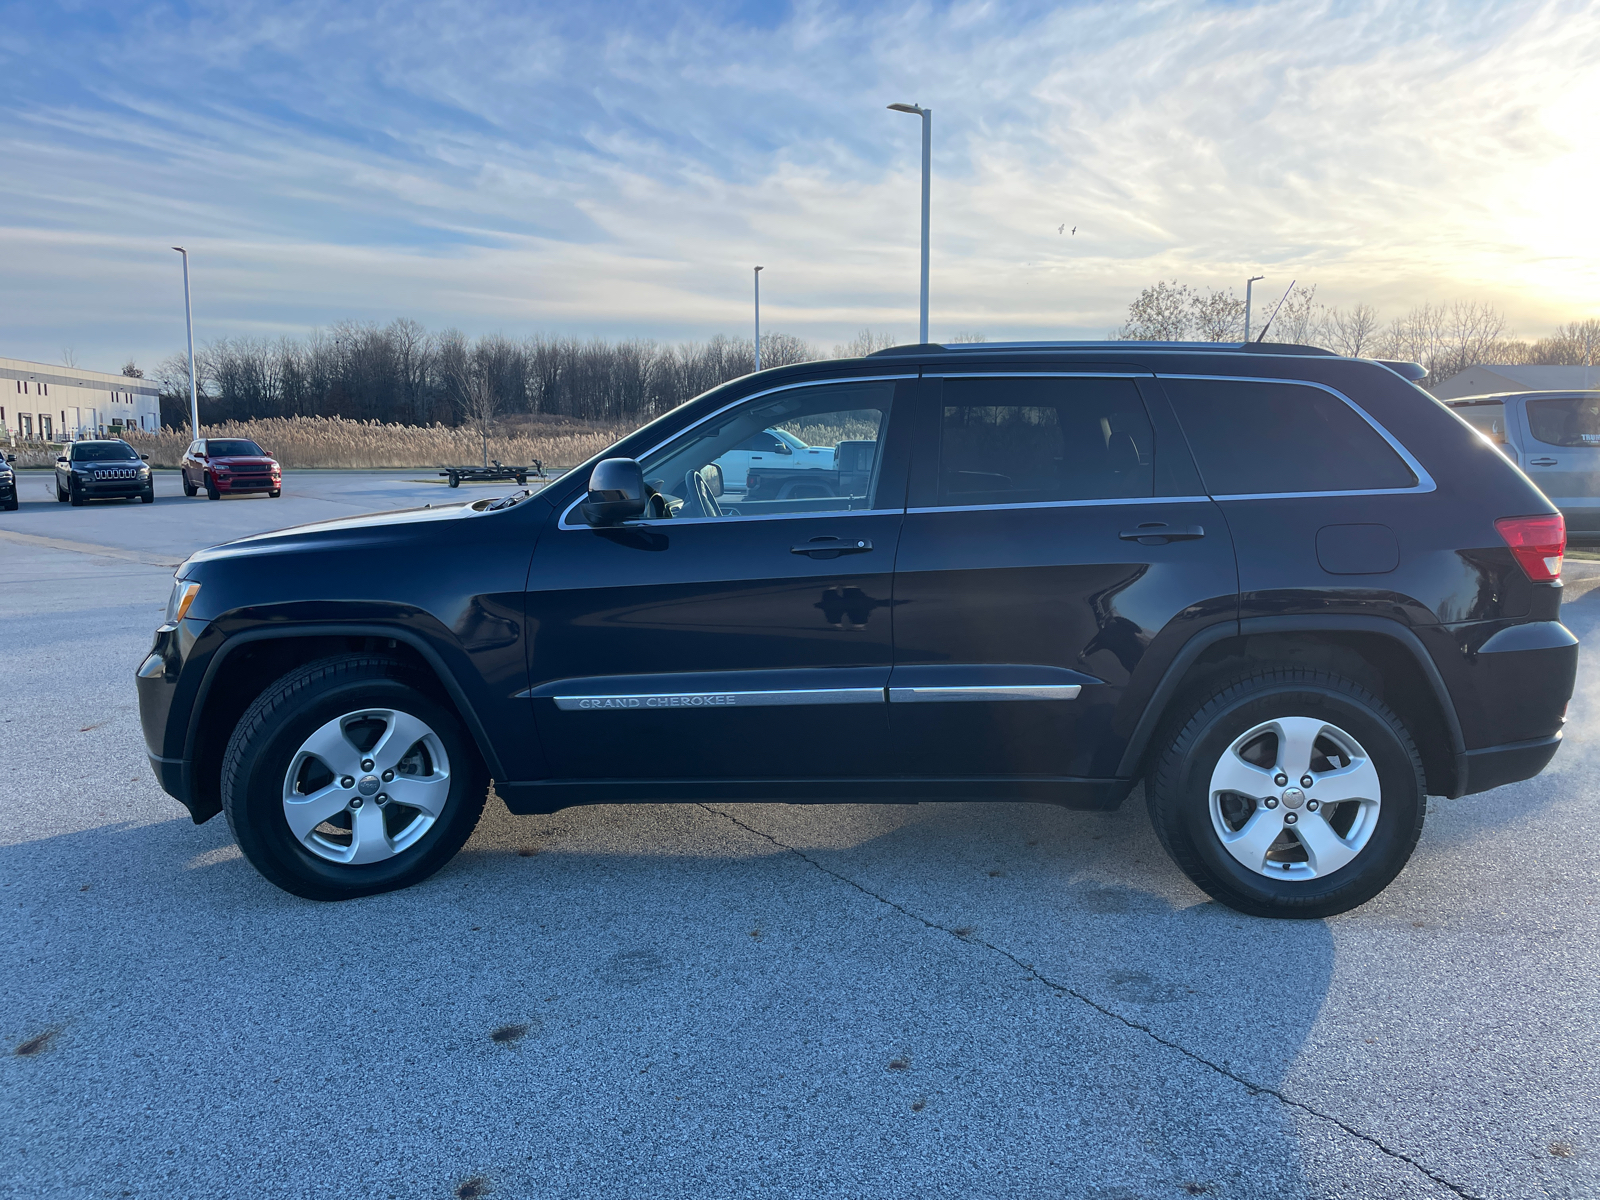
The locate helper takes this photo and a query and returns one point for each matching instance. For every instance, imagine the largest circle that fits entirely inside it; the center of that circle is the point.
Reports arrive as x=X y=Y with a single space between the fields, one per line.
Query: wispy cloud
x=617 y=169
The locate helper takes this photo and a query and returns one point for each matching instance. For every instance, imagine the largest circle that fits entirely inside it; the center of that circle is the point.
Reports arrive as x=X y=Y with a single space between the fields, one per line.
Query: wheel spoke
x=334 y=749
x=1326 y=849
x=1251 y=843
x=404 y=732
x=1358 y=781
x=428 y=793
x=369 y=840
x=1297 y=737
x=1233 y=774
x=305 y=813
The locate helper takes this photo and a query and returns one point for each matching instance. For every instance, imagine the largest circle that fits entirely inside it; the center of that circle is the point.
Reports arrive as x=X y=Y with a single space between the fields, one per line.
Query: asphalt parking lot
x=726 y=1000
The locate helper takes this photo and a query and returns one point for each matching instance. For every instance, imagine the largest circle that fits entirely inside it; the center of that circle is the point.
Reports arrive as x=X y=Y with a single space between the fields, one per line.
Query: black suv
x=103 y=469
x=1289 y=591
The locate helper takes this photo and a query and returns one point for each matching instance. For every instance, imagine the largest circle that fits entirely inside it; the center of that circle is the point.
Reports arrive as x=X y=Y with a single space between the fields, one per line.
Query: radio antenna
x=1275 y=309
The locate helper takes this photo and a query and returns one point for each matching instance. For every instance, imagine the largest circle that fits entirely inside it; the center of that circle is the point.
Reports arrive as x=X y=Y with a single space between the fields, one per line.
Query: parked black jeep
x=103 y=469
x=1289 y=591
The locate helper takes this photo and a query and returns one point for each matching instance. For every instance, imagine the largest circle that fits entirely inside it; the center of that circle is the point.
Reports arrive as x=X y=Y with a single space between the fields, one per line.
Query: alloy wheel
x=1294 y=798
x=366 y=786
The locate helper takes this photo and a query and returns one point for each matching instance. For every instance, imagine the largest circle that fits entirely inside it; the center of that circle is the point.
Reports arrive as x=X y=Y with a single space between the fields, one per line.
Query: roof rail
x=1117 y=344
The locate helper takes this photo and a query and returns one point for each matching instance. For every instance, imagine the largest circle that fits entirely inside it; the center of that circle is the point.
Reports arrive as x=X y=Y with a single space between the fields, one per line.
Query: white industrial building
x=44 y=403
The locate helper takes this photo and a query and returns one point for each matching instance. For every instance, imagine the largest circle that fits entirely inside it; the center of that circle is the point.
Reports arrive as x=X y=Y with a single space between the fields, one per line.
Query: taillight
x=1537 y=543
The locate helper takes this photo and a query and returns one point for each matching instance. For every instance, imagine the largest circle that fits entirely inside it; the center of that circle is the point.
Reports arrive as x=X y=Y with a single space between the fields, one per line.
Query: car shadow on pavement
x=957 y=998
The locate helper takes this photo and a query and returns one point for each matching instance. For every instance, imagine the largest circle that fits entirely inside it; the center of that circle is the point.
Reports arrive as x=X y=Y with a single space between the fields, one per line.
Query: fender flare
x=1400 y=634
x=338 y=629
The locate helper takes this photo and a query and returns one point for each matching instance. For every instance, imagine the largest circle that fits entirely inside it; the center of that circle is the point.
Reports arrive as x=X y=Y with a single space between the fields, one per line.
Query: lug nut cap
x=1312 y=805
x=1289 y=818
x=1272 y=802
x=388 y=776
x=355 y=802
x=366 y=764
x=349 y=781
x=382 y=798
x=1281 y=779
x=1306 y=780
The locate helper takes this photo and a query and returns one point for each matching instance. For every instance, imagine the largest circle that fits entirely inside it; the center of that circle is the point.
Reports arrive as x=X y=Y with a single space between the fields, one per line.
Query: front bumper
x=166 y=696
x=106 y=489
x=252 y=483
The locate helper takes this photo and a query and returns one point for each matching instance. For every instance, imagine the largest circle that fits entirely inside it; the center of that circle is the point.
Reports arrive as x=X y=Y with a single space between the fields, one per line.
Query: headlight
x=183 y=594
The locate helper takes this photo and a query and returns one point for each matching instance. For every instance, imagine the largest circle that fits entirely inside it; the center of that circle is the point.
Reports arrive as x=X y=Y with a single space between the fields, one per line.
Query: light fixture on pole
x=758 y=318
x=927 y=155
x=1249 y=283
x=188 y=317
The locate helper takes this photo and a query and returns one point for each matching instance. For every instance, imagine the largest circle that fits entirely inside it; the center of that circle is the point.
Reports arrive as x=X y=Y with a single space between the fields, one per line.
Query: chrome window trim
x=561 y=522
x=656 y=701
x=1062 y=504
x=1424 y=482
x=1039 y=375
x=999 y=691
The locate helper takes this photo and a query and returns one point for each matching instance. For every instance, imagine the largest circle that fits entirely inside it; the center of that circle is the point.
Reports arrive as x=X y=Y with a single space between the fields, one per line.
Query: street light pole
x=758 y=318
x=188 y=317
x=927 y=169
x=1249 y=283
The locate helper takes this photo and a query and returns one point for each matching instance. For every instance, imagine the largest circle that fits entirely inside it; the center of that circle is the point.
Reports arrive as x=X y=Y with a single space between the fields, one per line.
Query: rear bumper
x=1515 y=761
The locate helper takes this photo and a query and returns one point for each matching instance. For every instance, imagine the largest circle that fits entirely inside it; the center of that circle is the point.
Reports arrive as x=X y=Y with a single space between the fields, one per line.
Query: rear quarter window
x=1282 y=438
x=1566 y=421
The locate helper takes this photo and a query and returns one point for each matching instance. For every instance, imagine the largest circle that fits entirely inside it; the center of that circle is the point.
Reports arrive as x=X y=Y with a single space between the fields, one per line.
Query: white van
x=1555 y=438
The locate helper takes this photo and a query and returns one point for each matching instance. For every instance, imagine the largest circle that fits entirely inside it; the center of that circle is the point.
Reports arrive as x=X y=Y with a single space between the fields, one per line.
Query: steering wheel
x=698 y=491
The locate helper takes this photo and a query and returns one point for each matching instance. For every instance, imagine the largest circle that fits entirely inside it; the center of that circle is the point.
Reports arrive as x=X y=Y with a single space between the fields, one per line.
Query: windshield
x=234 y=448
x=1573 y=421
x=102 y=452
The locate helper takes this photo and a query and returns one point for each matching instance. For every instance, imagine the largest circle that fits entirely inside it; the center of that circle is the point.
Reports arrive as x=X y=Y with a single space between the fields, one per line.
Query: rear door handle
x=1541 y=462
x=1158 y=533
x=831 y=547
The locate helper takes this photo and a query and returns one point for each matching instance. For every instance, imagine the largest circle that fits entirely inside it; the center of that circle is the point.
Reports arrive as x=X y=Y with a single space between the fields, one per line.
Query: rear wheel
x=1290 y=793
x=189 y=489
x=346 y=778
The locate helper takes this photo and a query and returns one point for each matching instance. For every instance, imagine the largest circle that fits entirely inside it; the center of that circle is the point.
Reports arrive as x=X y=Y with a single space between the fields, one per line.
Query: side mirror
x=712 y=474
x=11 y=458
x=617 y=492
x=145 y=457
x=61 y=458
x=783 y=447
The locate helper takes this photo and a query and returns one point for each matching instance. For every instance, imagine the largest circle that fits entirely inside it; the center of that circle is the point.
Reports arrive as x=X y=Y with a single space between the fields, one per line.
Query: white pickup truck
x=771 y=448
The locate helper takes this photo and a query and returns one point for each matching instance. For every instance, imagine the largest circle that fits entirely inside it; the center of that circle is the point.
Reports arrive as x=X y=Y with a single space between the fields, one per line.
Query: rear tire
x=268 y=755
x=1274 y=849
x=189 y=489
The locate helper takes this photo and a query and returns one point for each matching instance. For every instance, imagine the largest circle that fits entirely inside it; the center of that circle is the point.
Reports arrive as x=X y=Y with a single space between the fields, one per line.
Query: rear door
x=1055 y=530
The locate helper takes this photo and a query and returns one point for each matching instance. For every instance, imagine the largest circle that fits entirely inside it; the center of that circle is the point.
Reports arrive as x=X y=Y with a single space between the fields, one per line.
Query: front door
x=1054 y=530
x=1563 y=455
x=733 y=639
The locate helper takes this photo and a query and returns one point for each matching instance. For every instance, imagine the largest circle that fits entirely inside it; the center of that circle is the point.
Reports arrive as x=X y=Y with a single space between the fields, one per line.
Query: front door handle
x=831 y=547
x=1159 y=533
x=1541 y=462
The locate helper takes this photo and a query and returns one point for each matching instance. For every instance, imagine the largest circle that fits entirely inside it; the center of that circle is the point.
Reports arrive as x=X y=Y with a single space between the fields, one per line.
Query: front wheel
x=148 y=496
x=347 y=778
x=61 y=492
x=211 y=491
x=275 y=493
x=74 y=493
x=1290 y=793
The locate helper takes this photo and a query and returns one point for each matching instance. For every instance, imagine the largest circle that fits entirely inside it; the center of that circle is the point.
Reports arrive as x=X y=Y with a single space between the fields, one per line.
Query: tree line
x=402 y=373
x=1444 y=338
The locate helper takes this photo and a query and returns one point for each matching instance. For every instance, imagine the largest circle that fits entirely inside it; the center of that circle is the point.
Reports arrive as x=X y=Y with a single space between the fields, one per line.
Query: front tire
x=74 y=493
x=275 y=493
x=61 y=495
x=1230 y=802
x=347 y=778
x=211 y=491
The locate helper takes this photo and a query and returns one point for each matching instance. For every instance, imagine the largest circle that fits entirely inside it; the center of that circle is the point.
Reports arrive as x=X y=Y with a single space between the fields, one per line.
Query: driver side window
x=831 y=439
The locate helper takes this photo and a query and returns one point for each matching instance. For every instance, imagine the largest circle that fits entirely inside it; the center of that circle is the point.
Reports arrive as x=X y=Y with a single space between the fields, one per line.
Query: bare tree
x=1353 y=331
x=1162 y=313
x=957 y=339
x=131 y=370
x=480 y=403
x=864 y=343
x=1299 y=320
x=1217 y=316
x=69 y=356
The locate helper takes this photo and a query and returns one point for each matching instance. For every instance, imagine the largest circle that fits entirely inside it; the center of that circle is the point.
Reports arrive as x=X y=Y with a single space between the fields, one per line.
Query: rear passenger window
x=1252 y=439
x=1031 y=441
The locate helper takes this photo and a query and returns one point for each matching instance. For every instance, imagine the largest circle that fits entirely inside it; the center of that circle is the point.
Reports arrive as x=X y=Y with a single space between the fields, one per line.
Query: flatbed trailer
x=492 y=473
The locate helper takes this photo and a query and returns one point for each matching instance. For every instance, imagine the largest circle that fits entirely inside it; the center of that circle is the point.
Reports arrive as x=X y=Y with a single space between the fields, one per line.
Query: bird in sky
x=1062 y=228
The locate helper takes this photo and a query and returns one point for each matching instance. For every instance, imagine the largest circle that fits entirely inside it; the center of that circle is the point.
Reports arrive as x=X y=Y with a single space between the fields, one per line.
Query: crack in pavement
x=1255 y=1089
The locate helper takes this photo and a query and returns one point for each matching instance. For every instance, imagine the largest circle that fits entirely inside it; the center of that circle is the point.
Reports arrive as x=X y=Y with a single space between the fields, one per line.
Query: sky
x=616 y=170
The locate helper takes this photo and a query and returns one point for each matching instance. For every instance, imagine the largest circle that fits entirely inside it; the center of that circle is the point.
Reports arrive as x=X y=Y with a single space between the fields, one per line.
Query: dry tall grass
x=336 y=442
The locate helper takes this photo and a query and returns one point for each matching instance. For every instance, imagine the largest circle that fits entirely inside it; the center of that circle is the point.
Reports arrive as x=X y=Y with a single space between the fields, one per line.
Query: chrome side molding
x=1018 y=691
x=761 y=699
